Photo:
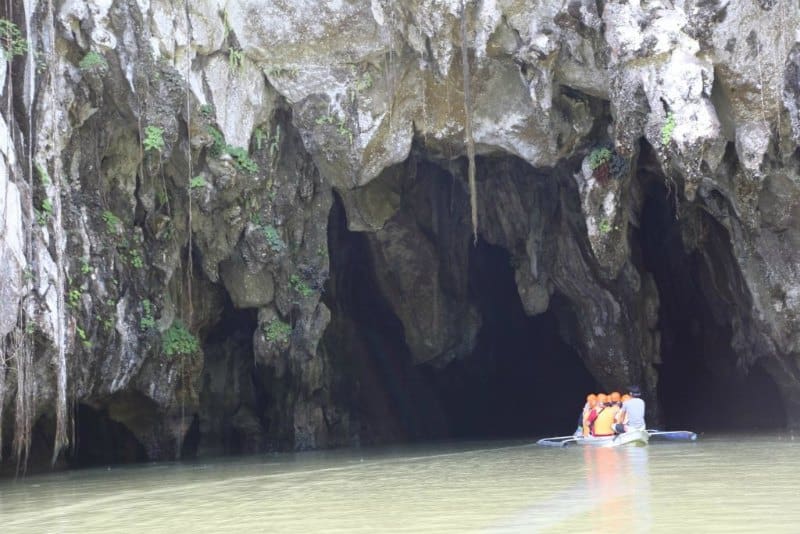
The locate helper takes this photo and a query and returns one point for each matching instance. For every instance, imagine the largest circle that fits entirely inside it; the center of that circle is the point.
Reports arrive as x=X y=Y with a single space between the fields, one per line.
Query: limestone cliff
x=169 y=170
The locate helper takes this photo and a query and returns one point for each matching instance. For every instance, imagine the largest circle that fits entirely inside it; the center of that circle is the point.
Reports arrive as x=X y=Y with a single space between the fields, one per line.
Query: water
x=718 y=484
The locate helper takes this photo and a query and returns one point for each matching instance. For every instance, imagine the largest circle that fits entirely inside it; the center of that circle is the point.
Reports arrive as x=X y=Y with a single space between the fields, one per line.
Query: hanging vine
x=470 y=142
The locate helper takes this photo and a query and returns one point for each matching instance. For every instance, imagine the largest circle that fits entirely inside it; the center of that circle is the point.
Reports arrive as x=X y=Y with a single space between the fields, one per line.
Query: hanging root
x=470 y=142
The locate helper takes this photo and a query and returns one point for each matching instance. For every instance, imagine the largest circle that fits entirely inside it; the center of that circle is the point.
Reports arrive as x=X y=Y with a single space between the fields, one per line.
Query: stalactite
x=470 y=142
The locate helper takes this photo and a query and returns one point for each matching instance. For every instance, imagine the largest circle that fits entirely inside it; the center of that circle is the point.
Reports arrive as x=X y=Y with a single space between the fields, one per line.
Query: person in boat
x=616 y=399
x=604 y=421
x=583 y=423
x=631 y=416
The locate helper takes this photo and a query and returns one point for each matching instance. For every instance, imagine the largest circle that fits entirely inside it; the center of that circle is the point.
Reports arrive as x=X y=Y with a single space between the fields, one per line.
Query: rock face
x=168 y=166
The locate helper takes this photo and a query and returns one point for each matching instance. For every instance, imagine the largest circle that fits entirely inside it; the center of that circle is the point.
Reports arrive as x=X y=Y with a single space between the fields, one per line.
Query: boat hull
x=637 y=438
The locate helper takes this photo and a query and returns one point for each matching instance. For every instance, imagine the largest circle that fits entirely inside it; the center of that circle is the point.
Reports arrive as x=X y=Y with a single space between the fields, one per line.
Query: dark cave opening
x=700 y=385
x=232 y=401
x=100 y=440
x=520 y=380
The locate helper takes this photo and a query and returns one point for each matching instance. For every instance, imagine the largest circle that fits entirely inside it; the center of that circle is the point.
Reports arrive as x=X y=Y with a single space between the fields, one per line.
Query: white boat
x=638 y=438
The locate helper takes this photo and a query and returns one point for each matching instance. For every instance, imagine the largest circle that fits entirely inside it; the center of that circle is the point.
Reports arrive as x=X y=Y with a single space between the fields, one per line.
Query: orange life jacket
x=604 y=423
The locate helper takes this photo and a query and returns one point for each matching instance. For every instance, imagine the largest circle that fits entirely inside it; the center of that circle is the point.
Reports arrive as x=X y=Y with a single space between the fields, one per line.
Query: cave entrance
x=100 y=440
x=522 y=379
x=232 y=398
x=700 y=384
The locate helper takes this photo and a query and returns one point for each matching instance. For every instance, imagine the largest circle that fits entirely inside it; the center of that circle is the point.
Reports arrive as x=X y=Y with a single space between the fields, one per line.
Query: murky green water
x=718 y=484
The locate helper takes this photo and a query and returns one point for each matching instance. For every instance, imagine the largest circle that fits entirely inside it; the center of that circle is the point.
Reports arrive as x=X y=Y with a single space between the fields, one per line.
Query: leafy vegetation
x=300 y=285
x=93 y=61
x=153 y=139
x=273 y=238
x=136 y=259
x=11 y=40
x=241 y=158
x=605 y=226
x=44 y=176
x=276 y=331
x=178 y=340
x=197 y=182
x=598 y=157
x=74 y=298
x=86 y=269
x=82 y=336
x=113 y=223
x=45 y=212
x=235 y=58
x=147 y=321
x=207 y=110
x=668 y=129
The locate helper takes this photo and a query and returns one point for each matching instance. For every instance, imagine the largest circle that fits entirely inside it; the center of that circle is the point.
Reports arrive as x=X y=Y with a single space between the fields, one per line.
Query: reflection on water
x=714 y=485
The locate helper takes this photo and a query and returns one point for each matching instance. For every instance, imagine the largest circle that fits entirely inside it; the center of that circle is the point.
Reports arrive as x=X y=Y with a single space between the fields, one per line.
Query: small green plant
x=325 y=119
x=260 y=137
x=599 y=157
x=322 y=251
x=113 y=223
x=218 y=147
x=93 y=61
x=44 y=213
x=273 y=238
x=107 y=322
x=207 y=111
x=242 y=159
x=299 y=285
x=235 y=58
x=136 y=259
x=197 y=182
x=11 y=40
x=153 y=139
x=82 y=336
x=364 y=83
x=86 y=269
x=74 y=298
x=44 y=176
x=345 y=131
x=178 y=340
x=668 y=129
x=276 y=331
x=147 y=321
x=605 y=226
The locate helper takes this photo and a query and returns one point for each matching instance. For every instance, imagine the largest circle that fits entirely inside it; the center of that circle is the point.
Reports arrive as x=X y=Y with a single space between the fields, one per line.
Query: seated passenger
x=604 y=422
x=596 y=411
x=615 y=398
x=583 y=425
x=631 y=415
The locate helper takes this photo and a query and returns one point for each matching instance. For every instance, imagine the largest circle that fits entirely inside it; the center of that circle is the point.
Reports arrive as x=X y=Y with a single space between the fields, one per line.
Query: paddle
x=677 y=435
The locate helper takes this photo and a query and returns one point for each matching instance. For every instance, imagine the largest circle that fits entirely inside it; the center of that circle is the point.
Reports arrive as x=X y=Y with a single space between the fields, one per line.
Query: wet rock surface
x=168 y=166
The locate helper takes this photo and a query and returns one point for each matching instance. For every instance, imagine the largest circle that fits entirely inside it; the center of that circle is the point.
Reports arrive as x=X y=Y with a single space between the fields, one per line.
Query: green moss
x=241 y=158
